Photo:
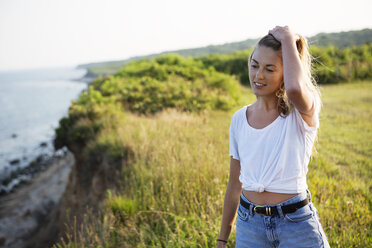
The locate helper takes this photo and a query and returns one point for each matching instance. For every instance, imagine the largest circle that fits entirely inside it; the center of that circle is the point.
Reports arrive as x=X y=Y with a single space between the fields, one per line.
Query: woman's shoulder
x=239 y=113
x=238 y=117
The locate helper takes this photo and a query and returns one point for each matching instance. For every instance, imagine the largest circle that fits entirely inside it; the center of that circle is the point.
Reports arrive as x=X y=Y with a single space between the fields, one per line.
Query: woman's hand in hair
x=283 y=34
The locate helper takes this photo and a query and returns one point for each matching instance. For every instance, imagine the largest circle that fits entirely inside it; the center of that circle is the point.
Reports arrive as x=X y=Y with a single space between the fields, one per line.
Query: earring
x=280 y=92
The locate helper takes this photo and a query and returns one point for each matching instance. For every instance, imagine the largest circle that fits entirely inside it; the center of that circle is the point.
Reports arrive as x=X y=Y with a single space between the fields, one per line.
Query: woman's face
x=265 y=71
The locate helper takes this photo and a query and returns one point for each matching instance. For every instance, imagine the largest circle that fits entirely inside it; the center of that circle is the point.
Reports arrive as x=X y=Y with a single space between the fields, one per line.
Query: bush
x=169 y=81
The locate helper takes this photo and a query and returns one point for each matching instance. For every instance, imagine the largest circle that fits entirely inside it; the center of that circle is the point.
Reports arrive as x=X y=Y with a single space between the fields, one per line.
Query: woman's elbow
x=235 y=186
x=294 y=92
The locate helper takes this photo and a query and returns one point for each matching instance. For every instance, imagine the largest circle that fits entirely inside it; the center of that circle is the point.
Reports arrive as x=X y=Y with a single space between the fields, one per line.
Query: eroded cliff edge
x=90 y=178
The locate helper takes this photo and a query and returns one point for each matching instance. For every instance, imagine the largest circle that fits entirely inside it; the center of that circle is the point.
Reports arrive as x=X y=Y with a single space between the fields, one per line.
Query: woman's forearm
x=230 y=207
x=295 y=80
x=293 y=74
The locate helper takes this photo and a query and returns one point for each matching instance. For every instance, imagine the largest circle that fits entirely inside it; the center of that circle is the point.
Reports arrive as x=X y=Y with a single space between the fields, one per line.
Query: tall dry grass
x=175 y=182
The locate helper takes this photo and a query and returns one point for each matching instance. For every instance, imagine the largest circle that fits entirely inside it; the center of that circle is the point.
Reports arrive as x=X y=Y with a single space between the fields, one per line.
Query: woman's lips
x=259 y=85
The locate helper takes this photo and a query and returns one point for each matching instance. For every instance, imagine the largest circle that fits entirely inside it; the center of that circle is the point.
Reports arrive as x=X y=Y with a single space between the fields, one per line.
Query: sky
x=54 y=33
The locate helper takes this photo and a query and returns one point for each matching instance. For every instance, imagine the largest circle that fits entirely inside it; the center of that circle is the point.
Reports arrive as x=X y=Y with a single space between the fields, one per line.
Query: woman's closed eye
x=267 y=69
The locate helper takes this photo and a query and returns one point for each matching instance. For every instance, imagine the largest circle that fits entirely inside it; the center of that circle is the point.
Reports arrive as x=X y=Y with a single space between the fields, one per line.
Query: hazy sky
x=47 y=33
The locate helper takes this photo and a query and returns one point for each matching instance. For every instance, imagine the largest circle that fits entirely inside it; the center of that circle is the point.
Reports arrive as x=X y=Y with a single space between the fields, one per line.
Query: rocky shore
x=23 y=211
x=58 y=190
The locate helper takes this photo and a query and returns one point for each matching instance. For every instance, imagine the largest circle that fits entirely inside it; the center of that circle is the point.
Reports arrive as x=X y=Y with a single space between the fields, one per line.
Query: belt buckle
x=268 y=210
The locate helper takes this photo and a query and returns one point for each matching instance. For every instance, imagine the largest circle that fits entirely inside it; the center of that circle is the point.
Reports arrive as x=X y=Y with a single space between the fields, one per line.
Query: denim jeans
x=298 y=229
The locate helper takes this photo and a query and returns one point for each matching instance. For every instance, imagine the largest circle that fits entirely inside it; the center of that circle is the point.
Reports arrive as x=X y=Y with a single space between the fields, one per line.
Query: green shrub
x=168 y=81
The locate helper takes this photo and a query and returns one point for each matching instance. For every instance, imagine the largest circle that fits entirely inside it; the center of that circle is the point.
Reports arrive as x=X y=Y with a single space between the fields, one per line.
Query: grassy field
x=173 y=188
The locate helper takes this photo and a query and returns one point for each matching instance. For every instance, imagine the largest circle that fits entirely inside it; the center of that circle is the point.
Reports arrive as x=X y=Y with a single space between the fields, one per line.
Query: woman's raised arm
x=294 y=76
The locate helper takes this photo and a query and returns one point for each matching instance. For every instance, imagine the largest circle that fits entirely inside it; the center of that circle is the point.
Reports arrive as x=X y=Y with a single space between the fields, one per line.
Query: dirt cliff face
x=91 y=176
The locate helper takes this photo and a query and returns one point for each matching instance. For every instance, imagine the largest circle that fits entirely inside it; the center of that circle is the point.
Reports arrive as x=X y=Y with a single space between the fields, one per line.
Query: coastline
x=21 y=173
x=88 y=77
x=30 y=196
x=23 y=211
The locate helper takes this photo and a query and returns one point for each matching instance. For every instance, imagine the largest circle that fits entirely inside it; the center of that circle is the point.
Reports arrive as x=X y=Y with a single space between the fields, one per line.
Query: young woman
x=271 y=142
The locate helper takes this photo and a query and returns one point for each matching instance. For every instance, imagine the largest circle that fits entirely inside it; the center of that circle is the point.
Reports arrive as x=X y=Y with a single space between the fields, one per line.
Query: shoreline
x=24 y=174
x=23 y=211
x=88 y=77
x=32 y=193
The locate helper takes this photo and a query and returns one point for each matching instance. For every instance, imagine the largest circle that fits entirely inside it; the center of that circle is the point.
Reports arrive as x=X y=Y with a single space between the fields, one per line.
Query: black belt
x=262 y=210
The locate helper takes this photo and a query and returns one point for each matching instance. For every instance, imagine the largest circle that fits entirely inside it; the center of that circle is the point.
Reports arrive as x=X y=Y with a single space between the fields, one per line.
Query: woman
x=271 y=142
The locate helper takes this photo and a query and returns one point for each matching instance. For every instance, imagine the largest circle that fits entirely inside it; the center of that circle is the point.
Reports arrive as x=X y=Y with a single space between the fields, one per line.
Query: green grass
x=342 y=170
x=173 y=188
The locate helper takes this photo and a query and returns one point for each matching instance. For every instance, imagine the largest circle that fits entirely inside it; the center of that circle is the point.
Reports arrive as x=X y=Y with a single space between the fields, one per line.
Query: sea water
x=31 y=104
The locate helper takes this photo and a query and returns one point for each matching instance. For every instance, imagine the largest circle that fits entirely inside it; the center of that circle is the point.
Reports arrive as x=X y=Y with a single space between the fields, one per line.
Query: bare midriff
x=266 y=198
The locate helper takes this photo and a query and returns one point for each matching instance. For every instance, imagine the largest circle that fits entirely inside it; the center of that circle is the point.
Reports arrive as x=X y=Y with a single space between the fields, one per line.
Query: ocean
x=31 y=104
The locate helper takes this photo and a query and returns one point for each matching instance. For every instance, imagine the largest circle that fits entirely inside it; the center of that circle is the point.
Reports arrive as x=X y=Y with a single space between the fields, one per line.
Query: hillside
x=110 y=67
x=159 y=181
x=342 y=39
x=338 y=40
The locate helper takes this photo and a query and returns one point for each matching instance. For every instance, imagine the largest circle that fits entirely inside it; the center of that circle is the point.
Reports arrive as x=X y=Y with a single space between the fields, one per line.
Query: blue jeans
x=298 y=229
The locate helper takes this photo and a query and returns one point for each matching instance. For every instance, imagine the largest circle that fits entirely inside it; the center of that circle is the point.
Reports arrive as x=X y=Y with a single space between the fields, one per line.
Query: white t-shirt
x=276 y=157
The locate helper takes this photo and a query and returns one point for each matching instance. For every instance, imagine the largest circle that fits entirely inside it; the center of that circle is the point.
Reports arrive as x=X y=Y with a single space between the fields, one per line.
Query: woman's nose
x=259 y=74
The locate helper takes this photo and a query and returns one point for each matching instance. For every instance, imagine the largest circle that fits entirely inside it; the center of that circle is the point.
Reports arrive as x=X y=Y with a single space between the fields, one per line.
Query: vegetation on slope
x=147 y=87
x=339 y=40
x=174 y=186
x=331 y=64
x=178 y=167
x=342 y=39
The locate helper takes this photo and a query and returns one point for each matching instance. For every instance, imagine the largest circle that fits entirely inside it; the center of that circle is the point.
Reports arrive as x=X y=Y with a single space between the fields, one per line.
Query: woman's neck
x=266 y=104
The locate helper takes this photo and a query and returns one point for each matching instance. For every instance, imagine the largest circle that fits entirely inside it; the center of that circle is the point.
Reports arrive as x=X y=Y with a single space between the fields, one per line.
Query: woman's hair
x=284 y=105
